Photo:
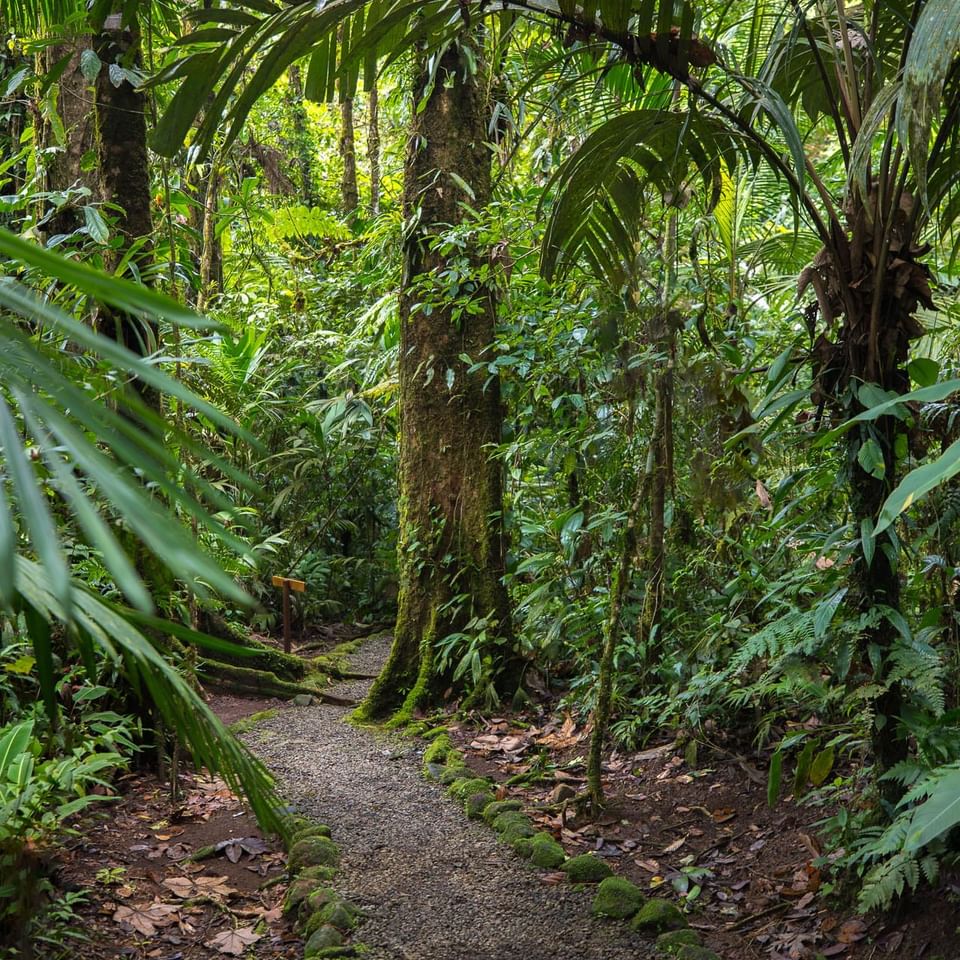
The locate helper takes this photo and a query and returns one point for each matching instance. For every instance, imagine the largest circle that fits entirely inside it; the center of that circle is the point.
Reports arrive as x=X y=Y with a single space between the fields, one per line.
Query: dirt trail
x=434 y=885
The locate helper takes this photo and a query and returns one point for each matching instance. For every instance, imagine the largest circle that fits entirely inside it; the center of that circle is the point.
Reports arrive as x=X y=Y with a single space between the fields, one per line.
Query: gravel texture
x=434 y=885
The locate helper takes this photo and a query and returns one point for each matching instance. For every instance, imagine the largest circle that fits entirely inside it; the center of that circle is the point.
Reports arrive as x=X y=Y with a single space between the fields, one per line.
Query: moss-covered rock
x=319 y=874
x=297 y=893
x=523 y=847
x=461 y=789
x=321 y=939
x=313 y=852
x=513 y=826
x=433 y=733
x=475 y=803
x=438 y=751
x=617 y=897
x=319 y=898
x=696 y=952
x=340 y=914
x=494 y=809
x=545 y=852
x=669 y=943
x=587 y=869
x=659 y=915
x=455 y=770
x=314 y=830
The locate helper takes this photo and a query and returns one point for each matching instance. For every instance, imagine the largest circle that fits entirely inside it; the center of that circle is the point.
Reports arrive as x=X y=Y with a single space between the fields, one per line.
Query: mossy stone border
x=321 y=915
x=617 y=898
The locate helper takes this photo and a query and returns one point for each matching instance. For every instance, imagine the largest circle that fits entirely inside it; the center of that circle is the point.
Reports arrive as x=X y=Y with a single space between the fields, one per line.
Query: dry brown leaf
x=852 y=931
x=234 y=942
x=145 y=918
x=675 y=846
x=182 y=887
x=214 y=886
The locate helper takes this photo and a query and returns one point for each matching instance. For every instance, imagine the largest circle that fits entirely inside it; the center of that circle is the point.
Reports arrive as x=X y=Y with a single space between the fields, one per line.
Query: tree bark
x=64 y=166
x=451 y=542
x=373 y=149
x=124 y=171
x=211 y=254
x=349 y=192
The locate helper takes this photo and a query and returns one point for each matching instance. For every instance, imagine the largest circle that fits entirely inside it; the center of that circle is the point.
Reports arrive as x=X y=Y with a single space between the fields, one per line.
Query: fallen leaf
x=145 y=918
x=214 y=886
x=182 y=887
x=234 y=942
x=852 y=931
x=676 y=845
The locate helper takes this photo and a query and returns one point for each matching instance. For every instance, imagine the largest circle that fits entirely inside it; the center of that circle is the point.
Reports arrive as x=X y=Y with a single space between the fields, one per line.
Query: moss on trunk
x=124 y=172
x=451 y=543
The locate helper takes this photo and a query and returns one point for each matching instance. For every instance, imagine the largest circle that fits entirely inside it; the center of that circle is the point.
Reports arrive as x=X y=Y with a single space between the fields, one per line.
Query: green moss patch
x=438 y=751
x=669 y=943
x=321 y=939
x=545 y=852
x=246 y=724
x=659 y=915
x=461 y=789
x=319 y=874
x=587 y=869
x=297 y=893
x=340 y=914
x=500 y=806
x=455 y=770
x=513 y=826
x=475 y=804
x=313 y=852
x=314 y=830
x=618 y=898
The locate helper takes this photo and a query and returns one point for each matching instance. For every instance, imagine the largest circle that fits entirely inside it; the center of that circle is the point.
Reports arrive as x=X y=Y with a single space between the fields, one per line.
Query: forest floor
x=436 y=886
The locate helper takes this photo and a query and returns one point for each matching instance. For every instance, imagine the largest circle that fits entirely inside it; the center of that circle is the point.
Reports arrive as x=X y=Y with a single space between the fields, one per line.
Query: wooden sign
x=288 y=584
x=298 y=586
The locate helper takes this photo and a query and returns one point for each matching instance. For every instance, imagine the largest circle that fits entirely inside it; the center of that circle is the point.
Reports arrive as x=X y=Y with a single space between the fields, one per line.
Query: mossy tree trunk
x=67 y=140
x=373 y=147
x=123 y=165
x=349 y=191
x=451 y=545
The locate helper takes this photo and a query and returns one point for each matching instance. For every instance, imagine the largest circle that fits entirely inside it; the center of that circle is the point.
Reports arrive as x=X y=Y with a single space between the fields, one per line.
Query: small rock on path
x=433 y=885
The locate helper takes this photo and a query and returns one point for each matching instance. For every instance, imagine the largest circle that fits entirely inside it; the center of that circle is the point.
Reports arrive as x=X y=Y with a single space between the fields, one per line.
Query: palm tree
x=55 y=434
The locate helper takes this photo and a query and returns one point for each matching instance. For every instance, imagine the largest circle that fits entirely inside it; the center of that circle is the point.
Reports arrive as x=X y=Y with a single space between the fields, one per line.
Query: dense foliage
x=716 y=248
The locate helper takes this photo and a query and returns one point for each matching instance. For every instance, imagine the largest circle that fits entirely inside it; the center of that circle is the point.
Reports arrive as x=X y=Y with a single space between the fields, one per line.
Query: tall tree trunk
x=373 y=148
x=451 y=543
x=349 y=192
x=64 y=164
x=123 y=164
x=211 y=254
x=301 y=132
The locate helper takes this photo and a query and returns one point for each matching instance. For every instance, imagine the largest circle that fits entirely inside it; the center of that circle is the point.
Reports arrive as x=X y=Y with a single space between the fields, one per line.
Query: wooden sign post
x=300 y=587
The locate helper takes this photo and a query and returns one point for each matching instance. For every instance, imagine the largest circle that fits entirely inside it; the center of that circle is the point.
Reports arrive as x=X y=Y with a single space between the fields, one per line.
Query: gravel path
x=434 y=885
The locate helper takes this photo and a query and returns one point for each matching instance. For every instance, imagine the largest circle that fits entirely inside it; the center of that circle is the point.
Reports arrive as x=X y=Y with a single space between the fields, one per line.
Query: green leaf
x=802 y=772
x=96 y=226
x=821 y=766
x=918 y=483
x=773 y=778
x=870 y=458
x=90 y=65
x=14 y=743
x=923 y=371
x=939 y=813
